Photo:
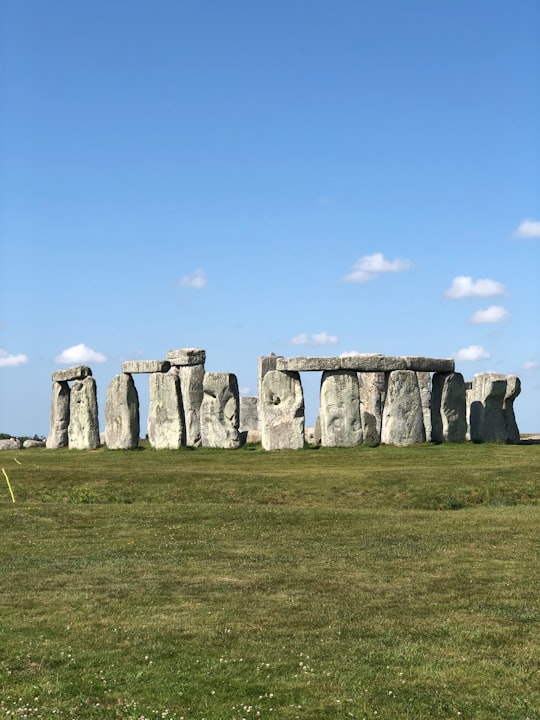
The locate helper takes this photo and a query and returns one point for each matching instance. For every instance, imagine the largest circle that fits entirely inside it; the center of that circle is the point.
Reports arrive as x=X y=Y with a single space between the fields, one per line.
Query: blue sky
x=303 y=177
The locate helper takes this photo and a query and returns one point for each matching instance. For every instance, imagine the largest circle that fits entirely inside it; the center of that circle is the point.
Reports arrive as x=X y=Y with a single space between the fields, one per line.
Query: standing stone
x=468 y=402
x=249 y=413
x=403 y=418
x=122 y=414
x=191 y=387
x=340 y=409
x=266 y=363
x=492 y=417
x=448 y=408
x=59 y=416
x=424 y=383
x=372 y=395
x=83 y=431
x=220 y=411
x=282 y=411
x=165 y=414
x=513 y=389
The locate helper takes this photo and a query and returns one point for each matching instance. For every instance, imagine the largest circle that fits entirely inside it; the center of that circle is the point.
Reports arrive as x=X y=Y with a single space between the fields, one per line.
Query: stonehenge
x=367 y=399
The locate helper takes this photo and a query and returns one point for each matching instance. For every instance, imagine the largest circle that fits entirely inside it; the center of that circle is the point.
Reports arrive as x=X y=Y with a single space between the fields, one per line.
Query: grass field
x=384 y=583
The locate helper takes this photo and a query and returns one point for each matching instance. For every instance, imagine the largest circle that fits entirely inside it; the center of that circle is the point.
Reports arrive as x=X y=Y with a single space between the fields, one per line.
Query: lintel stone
x=187 y=356
x=132 y=367
x=367 y=362
x=78 y=372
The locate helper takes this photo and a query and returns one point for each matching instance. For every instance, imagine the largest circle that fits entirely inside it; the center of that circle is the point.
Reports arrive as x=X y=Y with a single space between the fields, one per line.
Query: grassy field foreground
x=333 y=583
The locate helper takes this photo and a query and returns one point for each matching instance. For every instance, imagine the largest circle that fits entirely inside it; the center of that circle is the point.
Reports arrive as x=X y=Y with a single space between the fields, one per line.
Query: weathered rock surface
x=266 y=363
x=122 y=427
x=165 y=425
x=424 y=384
x=308 y=364
x=59 y=416
x=191 y=387
x=281 y=411
x=403 y=418
x=431 y=365
x=132 y=367
x=220 y=411
x=79 y=372
x=367 y=362
x=33 y=443
x=10 y=444
x=340 y=409
x=492 y=416
x=187 y=356
x=83 y=430
x=513 y=389
x=372 y=395
x=448 y=408
x=249 y=413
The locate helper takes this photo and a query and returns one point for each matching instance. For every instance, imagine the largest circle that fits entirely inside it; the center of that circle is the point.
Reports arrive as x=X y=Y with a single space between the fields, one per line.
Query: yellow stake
x=9 y=485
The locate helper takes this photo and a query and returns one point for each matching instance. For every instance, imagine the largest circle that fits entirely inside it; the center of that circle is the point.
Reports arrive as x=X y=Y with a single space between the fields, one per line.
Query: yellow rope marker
x=9 y=485
x=18 y=463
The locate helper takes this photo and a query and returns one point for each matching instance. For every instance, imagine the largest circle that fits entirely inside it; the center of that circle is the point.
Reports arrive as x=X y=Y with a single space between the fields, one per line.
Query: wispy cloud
x=528 y=229
x=464 y=286
x=8 y=360
x=492 y=314
x=322 y=338
x=370 y=267
x=473 y=352
x=79 y=354
x=195 y=280
x=531 y=365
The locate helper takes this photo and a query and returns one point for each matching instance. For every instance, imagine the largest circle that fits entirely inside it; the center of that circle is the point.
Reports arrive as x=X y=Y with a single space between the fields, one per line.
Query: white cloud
x=464 y=286
x=531 y=365
x=473 y=352
x=528 y=229
x=244 y=391
x=7 y=360
x=492 y=314
x=79 y=354
x=195 y=280
x=321 y=338
x=371 y=266
x=351 y=353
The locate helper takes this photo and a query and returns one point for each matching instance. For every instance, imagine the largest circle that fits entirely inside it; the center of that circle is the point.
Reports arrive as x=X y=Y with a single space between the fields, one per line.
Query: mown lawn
x=331 y=583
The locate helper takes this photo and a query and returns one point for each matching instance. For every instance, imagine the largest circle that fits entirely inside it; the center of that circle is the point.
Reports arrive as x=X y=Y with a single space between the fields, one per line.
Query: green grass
x=334 y=583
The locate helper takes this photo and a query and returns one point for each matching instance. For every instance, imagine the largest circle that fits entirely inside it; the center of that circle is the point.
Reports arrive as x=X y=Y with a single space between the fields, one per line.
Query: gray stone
x=492 y=417
x=366 y=362
x=281 y=411
x=266 y=363
x=249 y=413
x=424 y=384
x=79 y=372
x=513 y=389
x=448 y=408
x=431 y=365
x=191 y=387
x=122 y=426
x=59 y=416
x=133 y=367
x=165 y=427
x=33 y=443
x=403 y=419
x=83 y=430
x=220 y=411
x=340 y=409
x=308 y=364
x=253 y=436
x=372 y=395
x=372 y=362
x=187 y=356
x=10 y=444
